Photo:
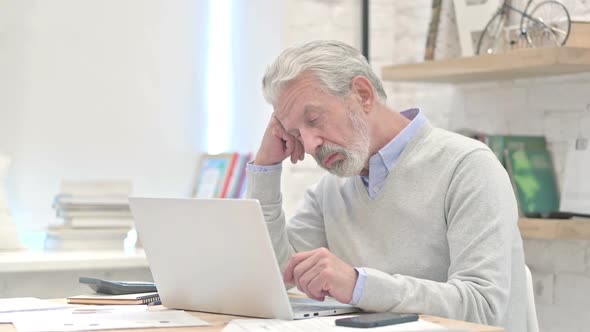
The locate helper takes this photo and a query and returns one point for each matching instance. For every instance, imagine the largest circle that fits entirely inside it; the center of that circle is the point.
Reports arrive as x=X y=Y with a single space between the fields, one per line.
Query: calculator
x=118 y=287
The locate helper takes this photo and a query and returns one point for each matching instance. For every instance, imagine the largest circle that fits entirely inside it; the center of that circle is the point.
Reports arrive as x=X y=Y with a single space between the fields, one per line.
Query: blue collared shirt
x=380 y=164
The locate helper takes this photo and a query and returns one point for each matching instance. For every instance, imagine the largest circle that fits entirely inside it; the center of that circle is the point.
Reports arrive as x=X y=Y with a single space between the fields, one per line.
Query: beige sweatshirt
x=441 y=238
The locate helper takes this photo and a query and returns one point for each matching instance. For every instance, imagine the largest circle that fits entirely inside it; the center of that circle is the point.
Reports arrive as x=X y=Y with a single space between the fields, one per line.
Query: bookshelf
x=516 y=64
x=520 y=63
x=554 y=229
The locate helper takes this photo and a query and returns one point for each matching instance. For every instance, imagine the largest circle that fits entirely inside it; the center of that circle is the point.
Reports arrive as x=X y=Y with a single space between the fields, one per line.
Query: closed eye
x=313 y=120
x=312 y=115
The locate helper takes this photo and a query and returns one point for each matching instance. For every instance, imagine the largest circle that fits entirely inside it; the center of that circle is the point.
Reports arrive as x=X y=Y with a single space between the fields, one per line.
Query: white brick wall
x=558 y=107
x=322 y=19
x=556 y=256
x=570 y=290
x=543 y=286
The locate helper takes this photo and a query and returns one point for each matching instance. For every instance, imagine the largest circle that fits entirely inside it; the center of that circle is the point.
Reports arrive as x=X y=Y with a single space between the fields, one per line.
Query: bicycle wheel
x=523 y=18
x=548 y=24
x=491 y=39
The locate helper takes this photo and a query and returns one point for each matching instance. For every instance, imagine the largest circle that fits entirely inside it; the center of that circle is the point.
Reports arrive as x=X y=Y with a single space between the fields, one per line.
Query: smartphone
x=377 y=319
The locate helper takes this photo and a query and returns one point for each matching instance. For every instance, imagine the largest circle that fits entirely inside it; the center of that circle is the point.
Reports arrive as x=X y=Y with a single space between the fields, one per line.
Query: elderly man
x=412 y=218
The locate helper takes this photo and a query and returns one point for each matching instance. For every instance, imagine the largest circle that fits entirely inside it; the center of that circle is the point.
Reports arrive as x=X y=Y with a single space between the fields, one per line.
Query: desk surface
x=218 y=322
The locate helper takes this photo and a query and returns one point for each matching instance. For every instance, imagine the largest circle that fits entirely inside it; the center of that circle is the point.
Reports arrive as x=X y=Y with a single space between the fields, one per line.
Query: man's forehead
x=297 y=94
x=288 y=101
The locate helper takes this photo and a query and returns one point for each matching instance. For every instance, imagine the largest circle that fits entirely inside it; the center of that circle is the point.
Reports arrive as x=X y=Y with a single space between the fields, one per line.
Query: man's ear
x=365 y=92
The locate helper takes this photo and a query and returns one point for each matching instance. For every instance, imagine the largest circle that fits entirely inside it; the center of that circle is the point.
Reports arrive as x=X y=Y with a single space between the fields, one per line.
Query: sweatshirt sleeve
x=481 y=215
x=304 y=231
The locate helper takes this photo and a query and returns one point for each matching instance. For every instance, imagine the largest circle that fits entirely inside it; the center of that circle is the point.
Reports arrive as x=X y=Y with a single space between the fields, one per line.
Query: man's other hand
x=319 y=273
x=277 y=145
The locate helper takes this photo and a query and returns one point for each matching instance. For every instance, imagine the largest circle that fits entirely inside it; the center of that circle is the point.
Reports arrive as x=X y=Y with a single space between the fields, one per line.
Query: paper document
x=27 y=304
x=104 y=309
x=319 y=324
x=12 y=306
x=106 y=320
x=575 y=193
x=69 y=310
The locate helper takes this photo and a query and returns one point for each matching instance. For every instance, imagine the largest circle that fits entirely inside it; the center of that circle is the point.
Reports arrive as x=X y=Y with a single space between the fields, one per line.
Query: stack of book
x=221 y=175
x=91 y=215
x=529 y=165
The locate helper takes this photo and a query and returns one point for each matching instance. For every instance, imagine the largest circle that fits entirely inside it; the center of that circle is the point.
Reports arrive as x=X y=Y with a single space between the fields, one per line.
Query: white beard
x=355 y=156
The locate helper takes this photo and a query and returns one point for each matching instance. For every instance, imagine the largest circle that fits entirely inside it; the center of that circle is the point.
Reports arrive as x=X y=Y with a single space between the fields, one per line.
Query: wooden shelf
x=521 y=63
x=555 y=229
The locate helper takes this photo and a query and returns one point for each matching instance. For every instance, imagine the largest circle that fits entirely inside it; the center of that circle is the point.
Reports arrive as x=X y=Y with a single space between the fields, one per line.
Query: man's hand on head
x=277 y=145
x=319 y=273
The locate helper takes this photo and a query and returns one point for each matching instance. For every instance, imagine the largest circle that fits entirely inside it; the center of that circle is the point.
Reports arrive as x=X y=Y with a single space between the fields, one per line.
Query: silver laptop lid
x=211 y=255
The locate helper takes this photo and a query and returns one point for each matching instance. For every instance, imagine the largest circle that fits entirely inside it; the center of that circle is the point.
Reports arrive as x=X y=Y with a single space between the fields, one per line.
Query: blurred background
x=110 y=98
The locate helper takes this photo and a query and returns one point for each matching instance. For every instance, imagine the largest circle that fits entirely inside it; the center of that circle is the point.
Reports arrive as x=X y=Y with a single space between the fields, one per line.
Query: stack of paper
x=324 y=324
x=13 y=306
x=122 y=317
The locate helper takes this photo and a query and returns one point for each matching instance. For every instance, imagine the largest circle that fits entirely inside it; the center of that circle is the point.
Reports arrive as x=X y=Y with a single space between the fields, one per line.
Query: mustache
x=327 y=149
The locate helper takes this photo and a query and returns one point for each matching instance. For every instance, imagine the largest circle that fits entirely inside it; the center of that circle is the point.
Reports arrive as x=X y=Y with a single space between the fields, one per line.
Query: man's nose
x=310 y=141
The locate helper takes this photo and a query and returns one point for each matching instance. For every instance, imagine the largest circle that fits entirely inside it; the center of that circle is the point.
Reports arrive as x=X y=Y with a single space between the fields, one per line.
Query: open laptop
x=215 y=255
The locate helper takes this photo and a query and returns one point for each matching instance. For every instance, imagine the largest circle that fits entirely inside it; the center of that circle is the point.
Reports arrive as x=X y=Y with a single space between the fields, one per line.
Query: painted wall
x=105 y=90
x=117 y=89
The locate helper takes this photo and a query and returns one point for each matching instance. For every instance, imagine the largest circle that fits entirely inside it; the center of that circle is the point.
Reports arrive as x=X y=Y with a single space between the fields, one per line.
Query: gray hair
x=334 y=64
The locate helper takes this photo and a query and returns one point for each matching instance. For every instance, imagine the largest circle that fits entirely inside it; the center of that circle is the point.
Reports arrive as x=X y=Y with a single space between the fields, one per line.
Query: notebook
x=215 y=255
x=96 y=298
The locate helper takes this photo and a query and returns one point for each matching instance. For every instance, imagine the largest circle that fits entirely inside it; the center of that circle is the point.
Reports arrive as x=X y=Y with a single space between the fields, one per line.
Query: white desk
x=37 y=261
x=50 y=274
x=218 y=322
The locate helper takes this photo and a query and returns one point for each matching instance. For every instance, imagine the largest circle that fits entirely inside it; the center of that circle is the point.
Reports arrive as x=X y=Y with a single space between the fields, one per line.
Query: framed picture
x=213 y=175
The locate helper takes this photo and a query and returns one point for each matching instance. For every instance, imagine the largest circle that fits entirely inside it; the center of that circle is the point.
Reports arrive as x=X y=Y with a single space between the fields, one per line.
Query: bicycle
x=547 y=21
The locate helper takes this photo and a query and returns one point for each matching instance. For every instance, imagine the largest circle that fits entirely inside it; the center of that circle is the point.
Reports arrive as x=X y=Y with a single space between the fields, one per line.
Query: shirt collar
x=391 y=151
x=383 y=161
